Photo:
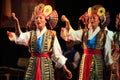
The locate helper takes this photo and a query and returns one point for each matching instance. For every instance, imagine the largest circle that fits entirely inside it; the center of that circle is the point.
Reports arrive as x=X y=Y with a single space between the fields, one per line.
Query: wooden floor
x=9 y=73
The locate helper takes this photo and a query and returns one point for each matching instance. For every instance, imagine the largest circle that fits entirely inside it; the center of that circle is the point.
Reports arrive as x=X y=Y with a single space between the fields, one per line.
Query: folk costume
x=43 y=46
x=96 y=45
x=115 y=73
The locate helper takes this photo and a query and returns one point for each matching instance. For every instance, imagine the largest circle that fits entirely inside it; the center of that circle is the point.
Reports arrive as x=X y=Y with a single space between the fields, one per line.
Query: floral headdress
x=100 y=11
x=50 y=15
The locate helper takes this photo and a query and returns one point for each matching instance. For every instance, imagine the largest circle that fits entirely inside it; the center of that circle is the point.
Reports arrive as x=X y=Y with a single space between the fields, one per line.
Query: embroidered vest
x=47 y=42
x=100 y=39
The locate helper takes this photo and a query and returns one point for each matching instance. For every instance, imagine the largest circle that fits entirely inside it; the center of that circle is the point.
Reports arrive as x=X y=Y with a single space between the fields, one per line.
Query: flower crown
x=101 y=12
x=50 y=14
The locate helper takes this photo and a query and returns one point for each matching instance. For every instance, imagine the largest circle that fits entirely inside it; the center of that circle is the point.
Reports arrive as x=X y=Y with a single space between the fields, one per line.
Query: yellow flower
x=101 y=11
x=47 y=10
x=89 y=11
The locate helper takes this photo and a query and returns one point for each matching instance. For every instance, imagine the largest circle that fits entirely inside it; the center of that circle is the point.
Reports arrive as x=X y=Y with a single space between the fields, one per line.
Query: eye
x=40 y=17
x=36 y=17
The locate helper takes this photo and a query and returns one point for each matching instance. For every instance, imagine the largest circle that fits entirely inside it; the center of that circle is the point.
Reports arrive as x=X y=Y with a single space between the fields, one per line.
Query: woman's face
x=40 y=21
x=94 y=20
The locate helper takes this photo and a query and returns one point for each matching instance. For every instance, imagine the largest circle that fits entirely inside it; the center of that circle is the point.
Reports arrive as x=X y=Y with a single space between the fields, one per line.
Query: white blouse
x=77 y=35
x=57 y=57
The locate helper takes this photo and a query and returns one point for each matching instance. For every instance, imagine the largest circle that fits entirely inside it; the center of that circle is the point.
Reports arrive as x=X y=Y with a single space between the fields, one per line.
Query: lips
x=38 y=22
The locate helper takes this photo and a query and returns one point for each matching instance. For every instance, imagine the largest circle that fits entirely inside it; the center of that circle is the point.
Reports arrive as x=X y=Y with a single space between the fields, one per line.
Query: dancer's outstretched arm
x=17 y=26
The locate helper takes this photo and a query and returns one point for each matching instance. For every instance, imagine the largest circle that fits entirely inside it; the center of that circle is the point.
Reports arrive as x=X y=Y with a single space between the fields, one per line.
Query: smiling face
x=94 y=20
x=40 y=21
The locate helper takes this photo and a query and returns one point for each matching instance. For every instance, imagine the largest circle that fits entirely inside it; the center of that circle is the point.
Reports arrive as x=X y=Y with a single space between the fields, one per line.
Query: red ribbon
x=88 y=62
x=92 y=51
x=117 y=51
x=38 y=67
x=40 y=55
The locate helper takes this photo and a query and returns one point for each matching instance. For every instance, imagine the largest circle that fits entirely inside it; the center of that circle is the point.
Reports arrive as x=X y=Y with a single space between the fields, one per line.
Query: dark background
x=10 y=52
x=73 y=9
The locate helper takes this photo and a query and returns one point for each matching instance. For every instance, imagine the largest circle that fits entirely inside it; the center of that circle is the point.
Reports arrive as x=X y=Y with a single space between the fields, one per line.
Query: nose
x=92 y=20
x=38 y=19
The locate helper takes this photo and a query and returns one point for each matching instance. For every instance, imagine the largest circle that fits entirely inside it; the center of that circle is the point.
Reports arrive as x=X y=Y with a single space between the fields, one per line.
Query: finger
x=13 y=14
x=9 y=33
x=69 y=75
x=63 y=18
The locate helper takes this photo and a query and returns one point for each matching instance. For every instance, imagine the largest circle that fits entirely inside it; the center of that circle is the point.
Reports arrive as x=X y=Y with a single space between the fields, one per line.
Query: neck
x=94 y=27
x=40 y=28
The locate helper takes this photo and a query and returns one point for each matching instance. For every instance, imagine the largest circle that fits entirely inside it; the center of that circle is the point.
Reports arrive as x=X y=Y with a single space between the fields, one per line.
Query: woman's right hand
x=65 y=19
x=11 y=36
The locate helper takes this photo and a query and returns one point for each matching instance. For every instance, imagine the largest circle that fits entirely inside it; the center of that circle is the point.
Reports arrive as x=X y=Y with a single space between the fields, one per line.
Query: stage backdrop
x=22 y=8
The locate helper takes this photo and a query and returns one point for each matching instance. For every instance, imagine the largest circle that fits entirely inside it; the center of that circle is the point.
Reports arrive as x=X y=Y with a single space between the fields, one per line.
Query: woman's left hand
x=68 y=72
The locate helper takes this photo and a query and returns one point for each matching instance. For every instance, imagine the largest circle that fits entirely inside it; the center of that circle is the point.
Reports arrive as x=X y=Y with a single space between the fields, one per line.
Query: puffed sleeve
x=23 y=38
x=57 y=55
x=107 y=55
x=74 y=35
